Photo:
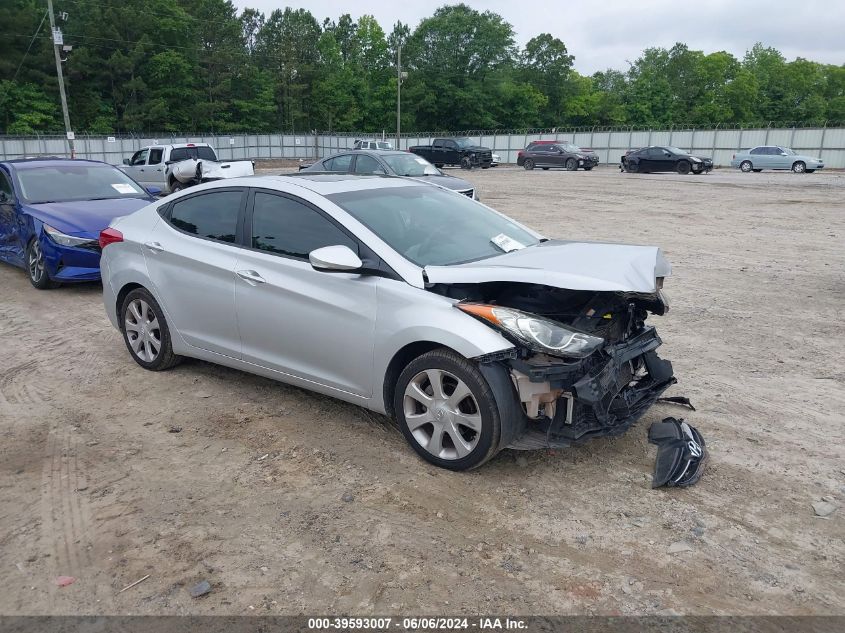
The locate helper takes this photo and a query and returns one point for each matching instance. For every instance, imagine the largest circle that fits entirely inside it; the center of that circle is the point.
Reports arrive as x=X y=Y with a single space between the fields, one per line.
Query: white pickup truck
x=174 y=167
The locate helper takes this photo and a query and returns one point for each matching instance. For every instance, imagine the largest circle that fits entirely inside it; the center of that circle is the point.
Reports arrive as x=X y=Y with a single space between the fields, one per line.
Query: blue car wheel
x=36 y=267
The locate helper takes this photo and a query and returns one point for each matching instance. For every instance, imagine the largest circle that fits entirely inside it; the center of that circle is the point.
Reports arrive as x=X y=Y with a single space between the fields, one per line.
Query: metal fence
x=610 y=143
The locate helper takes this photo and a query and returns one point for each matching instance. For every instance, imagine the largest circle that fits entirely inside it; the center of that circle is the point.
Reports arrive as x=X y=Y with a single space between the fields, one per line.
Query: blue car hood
x=85 y=218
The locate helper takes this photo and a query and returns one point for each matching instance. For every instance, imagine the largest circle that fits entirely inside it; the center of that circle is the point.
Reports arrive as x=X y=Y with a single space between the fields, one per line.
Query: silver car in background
x=474 y=332
x=775 y=157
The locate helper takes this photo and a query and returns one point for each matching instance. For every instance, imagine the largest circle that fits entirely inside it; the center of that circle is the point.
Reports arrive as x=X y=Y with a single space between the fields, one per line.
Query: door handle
x=251 y=276
x=155 y=247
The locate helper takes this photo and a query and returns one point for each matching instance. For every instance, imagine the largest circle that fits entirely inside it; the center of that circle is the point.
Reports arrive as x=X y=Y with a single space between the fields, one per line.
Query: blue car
x=52 y=211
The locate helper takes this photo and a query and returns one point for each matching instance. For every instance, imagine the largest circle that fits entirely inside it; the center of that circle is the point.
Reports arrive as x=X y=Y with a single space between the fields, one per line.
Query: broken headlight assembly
x=535 y=332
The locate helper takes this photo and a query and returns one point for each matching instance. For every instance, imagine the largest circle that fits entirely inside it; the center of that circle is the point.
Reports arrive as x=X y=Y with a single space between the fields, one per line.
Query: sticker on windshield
x=506 y=243
x=123 y=188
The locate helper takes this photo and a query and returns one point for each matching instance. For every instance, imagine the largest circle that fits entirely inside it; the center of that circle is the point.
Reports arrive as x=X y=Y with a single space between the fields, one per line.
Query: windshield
x=67 y=183
x=789 y=152
x=184 y=153
x=433 y=227
x=464 y=142
x=410 y=165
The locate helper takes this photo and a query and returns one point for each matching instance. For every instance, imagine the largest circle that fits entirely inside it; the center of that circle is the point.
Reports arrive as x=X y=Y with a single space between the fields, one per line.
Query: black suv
x=548 y=154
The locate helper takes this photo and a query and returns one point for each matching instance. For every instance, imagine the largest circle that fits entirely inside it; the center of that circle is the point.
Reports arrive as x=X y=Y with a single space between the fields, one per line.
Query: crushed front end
x=566 y=402
x=600 y=386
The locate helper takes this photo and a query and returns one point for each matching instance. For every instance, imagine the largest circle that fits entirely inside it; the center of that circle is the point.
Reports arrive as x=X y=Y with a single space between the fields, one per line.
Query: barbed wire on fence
x=751 y=125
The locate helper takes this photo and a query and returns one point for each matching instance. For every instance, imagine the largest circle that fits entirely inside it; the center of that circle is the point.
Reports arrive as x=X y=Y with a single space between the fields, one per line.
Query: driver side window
x=139 y=158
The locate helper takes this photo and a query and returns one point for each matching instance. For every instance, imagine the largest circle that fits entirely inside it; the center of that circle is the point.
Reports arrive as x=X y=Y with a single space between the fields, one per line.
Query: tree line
x=202 y=66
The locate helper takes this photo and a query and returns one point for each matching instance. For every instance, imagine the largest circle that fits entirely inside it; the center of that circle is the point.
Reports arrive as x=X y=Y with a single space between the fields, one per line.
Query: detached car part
x=681 y=453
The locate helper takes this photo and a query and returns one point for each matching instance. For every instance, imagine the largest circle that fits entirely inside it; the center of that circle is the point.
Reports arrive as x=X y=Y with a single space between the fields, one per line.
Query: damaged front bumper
x=566 y=402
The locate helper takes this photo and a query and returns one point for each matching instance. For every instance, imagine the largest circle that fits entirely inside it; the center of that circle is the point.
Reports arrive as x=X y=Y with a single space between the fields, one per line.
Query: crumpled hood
x=85 y=218
x=568 y=265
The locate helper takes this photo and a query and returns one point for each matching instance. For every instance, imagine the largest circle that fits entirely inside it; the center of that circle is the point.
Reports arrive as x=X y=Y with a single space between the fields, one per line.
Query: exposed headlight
x=65 y=240
x=695 y=160
x=581 y=156
x=536 y=333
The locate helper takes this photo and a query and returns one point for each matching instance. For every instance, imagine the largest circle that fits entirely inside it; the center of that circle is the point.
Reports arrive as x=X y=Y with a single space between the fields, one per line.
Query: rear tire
x=799 y=167
x=456 y=435
x=145 y=331
x=36 y=267
x=176 y=186
x=571 y=164
x=746 y=166
x=632 y=168
x=529 y=164
x=683 y=167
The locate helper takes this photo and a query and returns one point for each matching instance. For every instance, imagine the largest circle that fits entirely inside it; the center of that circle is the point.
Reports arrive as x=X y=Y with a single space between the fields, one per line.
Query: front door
x=313 y=325
x=136 y=164
x=10 y=249
x=191 y=257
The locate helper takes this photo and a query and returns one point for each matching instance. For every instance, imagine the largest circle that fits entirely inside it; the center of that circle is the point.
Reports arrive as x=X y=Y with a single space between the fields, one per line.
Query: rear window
x=211 y=215
x=184 y=153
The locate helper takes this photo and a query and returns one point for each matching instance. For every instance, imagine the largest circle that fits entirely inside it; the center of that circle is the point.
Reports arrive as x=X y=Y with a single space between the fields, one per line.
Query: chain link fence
x=827 y=142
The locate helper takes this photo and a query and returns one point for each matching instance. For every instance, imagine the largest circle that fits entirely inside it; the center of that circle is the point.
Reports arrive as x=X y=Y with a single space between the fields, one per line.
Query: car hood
x=85 y=218
x=450 y=182
x=568 y=265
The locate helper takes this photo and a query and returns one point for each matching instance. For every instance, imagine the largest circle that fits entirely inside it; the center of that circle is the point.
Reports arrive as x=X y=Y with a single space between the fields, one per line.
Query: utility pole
x=398 y=92
x=56 y=43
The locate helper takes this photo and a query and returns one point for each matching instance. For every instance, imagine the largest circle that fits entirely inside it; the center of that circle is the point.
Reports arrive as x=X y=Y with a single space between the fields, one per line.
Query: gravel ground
x=290 y=502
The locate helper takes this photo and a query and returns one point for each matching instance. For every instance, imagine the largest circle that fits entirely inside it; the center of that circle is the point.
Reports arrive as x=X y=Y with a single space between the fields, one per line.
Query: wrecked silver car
x=474 y=332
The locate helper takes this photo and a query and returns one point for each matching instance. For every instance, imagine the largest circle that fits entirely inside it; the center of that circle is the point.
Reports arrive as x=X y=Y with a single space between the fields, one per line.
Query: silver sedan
x=474 y=332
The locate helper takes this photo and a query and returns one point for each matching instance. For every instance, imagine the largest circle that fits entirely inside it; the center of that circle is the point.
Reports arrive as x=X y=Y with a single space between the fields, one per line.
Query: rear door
x=154 y=169
x=314 y=325
x=191 y=258
x=341 y=164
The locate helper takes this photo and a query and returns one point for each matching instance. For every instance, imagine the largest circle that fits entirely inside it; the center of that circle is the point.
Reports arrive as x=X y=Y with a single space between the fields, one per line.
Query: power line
x=34 y=35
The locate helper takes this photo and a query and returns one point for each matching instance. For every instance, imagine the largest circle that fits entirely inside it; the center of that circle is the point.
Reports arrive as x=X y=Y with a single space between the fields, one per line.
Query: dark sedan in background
x=563 y=154
x=52 y=211
x=651 y=159
x=391 y=163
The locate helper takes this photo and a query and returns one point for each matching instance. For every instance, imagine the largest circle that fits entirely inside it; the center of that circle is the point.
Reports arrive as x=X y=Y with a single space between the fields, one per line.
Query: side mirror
x=784 y=154
x=153 y=190
x=125 y=161
x=335 y=259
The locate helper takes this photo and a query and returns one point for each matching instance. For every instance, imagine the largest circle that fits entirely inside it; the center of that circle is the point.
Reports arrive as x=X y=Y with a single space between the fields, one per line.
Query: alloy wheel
x=142 y=330
x=442 y=414
x=36 y=263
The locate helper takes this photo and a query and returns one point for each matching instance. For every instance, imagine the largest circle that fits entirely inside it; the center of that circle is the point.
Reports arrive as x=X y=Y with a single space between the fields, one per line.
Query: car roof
x=326 y=184
x=34 y=163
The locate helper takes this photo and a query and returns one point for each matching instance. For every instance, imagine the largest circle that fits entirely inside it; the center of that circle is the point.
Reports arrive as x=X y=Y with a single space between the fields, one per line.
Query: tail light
x=521 y=153
x=109 y=236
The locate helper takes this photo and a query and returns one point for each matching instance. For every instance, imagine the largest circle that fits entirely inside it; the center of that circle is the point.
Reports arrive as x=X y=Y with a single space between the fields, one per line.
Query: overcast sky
x=606 y=33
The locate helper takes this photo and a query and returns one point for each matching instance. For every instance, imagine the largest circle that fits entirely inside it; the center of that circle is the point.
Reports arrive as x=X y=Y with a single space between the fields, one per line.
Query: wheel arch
x=398 y=362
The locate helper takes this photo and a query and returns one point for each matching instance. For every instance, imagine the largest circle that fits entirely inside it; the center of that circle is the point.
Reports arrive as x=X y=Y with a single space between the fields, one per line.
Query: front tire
x=683 y=167
x=528 y=164
x=36 y=267
x=466 y=163
x=571 y=164
x=447 y=411
x=799 y=167
x=145 y=331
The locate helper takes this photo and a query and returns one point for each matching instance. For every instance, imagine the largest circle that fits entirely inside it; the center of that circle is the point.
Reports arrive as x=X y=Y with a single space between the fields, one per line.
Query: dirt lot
x=249 y=494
